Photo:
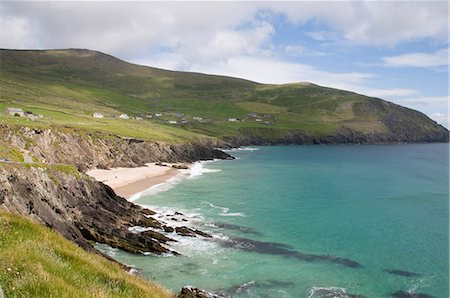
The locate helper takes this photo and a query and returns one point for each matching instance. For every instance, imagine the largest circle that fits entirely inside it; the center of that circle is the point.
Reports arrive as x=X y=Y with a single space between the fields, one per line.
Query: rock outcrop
x=190 y=292
x=82 y=210
x=88 y=150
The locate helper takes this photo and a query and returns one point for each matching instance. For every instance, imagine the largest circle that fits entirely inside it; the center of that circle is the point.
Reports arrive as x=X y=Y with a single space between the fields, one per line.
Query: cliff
x=58 y=194
x=88 y=150
x=82 y=210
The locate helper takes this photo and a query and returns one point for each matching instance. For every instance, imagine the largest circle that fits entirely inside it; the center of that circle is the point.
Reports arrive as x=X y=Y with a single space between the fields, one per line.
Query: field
x=68 y=86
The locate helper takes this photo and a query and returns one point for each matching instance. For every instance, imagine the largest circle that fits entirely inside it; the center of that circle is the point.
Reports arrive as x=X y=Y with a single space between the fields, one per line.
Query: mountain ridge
x=78 y=82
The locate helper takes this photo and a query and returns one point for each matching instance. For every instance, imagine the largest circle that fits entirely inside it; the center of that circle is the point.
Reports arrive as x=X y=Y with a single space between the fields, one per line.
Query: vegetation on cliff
x=37 y=262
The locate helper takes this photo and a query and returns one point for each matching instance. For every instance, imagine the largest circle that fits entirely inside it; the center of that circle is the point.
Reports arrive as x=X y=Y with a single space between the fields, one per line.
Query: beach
x=128 y=181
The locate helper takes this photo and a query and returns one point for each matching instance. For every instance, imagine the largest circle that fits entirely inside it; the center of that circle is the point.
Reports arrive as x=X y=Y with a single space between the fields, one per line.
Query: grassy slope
x=67 y=86
x=37 y=262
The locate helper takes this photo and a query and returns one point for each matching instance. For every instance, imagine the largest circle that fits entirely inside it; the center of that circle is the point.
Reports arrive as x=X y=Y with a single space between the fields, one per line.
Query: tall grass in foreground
x=38 y=262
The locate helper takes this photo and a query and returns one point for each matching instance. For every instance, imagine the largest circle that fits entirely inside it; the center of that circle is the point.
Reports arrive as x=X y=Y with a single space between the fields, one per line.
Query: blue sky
x=395 y=50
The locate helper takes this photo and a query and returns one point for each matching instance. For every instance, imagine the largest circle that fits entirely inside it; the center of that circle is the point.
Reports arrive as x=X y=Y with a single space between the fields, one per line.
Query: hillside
x=37 y=262
x=68 y=86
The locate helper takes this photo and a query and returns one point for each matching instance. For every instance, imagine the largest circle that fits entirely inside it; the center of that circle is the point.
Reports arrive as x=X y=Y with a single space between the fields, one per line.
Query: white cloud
x=440 y=118
x=438 y=58
x=373 y=22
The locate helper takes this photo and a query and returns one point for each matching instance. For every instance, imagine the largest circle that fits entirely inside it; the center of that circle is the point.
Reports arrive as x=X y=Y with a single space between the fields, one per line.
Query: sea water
x=308 y=221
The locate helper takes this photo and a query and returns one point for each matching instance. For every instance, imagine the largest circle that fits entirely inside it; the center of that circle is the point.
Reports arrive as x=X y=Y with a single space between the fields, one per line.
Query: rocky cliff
x=52 y=189
x=88 y=150
x=82 y=210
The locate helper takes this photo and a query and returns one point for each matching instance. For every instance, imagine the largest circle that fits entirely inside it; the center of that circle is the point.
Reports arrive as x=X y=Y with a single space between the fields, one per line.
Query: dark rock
x=203 y=234
x=155 y=235
x=189 y=292
x=402 y=273
x=184 y=231
x=168 y=229
x=242 y=229
x=180 y=167
x=274 y=248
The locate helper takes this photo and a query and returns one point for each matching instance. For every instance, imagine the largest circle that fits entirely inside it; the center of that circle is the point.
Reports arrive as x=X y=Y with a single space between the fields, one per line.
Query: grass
x=37 y=262
x=68 y=86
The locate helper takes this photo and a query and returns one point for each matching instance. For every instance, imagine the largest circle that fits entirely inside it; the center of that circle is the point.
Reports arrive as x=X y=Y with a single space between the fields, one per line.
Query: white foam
x=138 y=229
x=161 y=187
x=225 y=210
x=336 y=291
x=242 y=149
x=198 y=169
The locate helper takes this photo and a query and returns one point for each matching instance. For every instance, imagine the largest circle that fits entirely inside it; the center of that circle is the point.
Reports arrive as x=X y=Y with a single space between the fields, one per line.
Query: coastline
x=127 y=182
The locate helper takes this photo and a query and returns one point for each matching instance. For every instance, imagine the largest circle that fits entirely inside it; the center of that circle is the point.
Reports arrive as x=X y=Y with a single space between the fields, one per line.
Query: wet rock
x=185 y=231
x=274 y=248
x=180 y=167
x=168 y=229
x=155 y=235
x=402 y=273
x=189 y=292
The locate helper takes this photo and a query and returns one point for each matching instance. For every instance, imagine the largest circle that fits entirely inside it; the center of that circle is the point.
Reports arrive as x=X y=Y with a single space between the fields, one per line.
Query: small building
x=139 y=118
x=268 y=123
x=124 y=116
x=197 y=118
x=172 y=122
x=267 y=116
x=158 y=114
x=233 y=119
x=97 y=115
x=148 y=116
x=258 y=120
x=184 y=122
x=253 y=115
x=15 y=112
x=179 y=115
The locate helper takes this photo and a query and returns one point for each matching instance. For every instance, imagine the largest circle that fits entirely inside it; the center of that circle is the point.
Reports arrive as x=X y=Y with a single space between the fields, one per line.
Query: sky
x=395 y=50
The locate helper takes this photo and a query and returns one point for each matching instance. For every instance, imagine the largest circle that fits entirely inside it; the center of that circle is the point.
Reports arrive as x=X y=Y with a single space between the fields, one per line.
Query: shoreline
x=127 y=182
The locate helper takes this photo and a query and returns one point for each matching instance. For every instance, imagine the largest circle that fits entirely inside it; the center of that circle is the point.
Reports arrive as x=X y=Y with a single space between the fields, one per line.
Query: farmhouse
x=233 y=120
x=97 y=115
x=172 y=122
x=158 y=114
x=124 y=116
x=15 y=112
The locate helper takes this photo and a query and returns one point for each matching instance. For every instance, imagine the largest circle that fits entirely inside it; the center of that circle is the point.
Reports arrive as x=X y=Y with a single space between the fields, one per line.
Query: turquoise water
x=289 y=221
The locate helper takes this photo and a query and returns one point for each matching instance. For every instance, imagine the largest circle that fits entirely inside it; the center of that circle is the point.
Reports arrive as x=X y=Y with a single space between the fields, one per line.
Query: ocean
x=308 y=221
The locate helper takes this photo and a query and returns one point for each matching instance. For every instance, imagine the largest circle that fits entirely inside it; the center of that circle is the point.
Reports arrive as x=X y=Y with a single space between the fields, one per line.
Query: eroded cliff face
x=81 y=209
x=88 y=150
x=52 y=190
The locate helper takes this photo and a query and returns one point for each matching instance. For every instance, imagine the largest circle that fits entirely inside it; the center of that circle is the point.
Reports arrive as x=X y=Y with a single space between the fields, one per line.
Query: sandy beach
x=129 y=181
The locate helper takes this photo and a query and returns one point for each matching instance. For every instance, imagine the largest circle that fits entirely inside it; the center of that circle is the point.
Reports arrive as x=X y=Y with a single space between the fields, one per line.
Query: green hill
x=38 y=262
x=68 y=86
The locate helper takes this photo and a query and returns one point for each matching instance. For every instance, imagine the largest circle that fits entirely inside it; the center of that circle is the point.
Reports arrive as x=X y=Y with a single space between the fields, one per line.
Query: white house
x=97 y=115
x=15 y=111
x=197 y=118
x=158 y=114
x=258 y=120
x=124 y=116
x=139 y=118
x=172 y=122
x=232 y=120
